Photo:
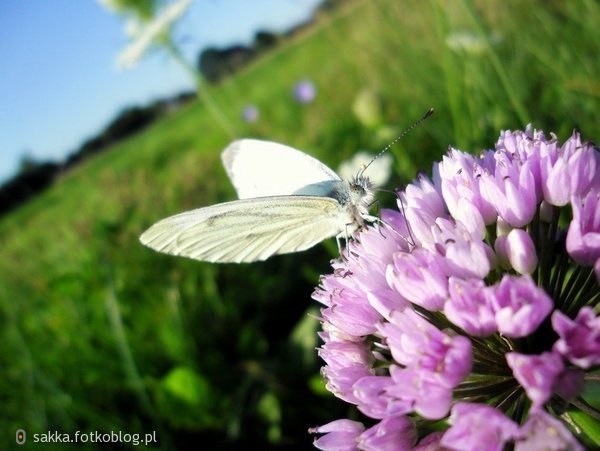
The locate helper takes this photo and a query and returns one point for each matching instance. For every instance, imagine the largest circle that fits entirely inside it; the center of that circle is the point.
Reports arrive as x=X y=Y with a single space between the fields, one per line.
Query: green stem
x=587 y=292
x=490 y=389
x=498 y=66
x=548 y=251
x=586 y=279
x=202 y=90
x=127 y=360
x=571 y=287
x=560 y=268
x=453 y=80
x=585 y=407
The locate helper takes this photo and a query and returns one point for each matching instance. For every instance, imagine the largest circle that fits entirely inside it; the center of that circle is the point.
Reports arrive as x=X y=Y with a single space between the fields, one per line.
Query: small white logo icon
x=20 y=436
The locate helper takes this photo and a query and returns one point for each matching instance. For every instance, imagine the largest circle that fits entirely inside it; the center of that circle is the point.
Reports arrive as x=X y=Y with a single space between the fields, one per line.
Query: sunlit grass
x=102 y=333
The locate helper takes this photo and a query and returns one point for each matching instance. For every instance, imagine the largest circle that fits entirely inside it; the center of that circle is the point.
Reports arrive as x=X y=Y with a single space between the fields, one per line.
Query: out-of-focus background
x=99 y=333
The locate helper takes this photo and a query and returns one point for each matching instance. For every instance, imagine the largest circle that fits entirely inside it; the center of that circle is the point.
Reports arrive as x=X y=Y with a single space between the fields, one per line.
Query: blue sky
x=58 y=80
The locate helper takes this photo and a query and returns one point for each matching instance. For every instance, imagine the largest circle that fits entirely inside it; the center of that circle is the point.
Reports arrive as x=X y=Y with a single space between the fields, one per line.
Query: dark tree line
x=216 y=64
x=35 y=176
x=27 y=184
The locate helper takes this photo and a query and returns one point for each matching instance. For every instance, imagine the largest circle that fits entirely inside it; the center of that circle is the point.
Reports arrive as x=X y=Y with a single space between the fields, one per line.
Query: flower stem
x=203 y=91
x=549 y=247
x=498 y=66
x=560 y=268
x=585 y=407
x=584 y=281
x=588 y=291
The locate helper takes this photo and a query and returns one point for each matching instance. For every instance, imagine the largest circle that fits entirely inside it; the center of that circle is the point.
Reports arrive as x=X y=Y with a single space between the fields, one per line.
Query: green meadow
x=100 y=333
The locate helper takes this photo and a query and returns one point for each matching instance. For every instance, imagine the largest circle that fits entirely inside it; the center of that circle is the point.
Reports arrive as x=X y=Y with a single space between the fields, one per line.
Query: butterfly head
x=362 y=190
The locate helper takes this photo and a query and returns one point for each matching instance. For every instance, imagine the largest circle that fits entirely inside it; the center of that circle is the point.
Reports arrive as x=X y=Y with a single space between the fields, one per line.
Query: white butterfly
x=289 y=201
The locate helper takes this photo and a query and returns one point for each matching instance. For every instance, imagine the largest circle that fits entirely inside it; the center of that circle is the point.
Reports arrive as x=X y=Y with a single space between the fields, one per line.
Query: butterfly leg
x=338 y=240
x=412 y=242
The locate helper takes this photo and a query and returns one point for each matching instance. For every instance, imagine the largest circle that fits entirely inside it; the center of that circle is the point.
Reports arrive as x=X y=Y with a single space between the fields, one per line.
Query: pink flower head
x=440 y=314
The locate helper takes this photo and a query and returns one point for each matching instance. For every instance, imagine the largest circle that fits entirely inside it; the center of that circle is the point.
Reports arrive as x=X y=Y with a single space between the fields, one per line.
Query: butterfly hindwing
x=248 y=230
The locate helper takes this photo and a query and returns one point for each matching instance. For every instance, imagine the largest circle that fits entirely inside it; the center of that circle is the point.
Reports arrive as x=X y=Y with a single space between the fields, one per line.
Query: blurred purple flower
x=520 y=251
x=469 y=307
x=250 y=114
x=460 y=175
x=542 y=431
x=305 y=91
x=390 y=434
x=432 y=442
x=519 y=306
x=537 y=374
x=340 y=435
x=511 y=189
x=583 y=239
x=436 y=310
x=568 y=171
x=477 y=426
x=420 y=278
x=375 y=401
x=347 y=363
x=579 y=340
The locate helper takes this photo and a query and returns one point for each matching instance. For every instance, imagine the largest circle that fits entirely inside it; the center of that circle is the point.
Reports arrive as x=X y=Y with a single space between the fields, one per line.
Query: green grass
x=100 y=333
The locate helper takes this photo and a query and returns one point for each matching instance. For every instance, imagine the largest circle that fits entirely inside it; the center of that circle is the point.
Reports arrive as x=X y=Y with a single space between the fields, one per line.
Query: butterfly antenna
x=402 y=135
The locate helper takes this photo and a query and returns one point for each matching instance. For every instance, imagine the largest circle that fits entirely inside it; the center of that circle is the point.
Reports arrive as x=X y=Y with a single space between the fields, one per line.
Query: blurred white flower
x=367 y=108
x=466 y=41
x=133 y=27
x=146 y=34
x=379 y=172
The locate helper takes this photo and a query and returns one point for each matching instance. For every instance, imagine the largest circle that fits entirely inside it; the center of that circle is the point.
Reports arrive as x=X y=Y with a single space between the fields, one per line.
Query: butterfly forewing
x=261 y=168
x=248 y=230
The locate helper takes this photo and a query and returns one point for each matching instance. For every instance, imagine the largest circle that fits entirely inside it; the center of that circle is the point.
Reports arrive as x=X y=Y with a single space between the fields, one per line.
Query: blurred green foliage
x=100 y=333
